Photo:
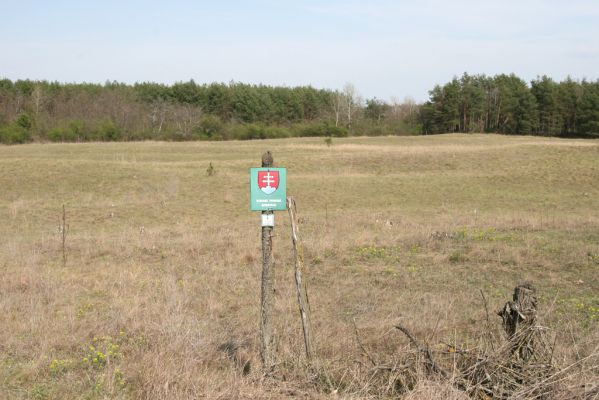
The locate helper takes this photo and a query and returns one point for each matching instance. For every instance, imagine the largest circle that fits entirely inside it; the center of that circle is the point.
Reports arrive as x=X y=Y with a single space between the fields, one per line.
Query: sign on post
x=268 y=189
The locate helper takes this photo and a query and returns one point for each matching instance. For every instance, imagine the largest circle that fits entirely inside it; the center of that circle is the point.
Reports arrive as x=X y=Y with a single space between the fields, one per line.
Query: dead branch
x=374 y=364
x=424 y=350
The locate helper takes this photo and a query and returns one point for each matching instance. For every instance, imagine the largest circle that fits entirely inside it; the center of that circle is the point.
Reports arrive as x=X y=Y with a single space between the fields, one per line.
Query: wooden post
x=302 y=292
x=268 y=287
x=64 y=236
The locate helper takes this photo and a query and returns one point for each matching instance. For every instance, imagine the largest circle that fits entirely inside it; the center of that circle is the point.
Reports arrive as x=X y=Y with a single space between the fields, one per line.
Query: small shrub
x=24 y=121
x=210 y=171
x=336 y=131
x=14 y=134
x=210 y=128
x=61 y=134
x=252 y=131
x=109 y=132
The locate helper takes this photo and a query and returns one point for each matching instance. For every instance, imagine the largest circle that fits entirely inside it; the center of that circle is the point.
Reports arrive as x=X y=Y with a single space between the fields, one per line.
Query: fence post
x=302 y=291
x=64 y=236
x=268 y=287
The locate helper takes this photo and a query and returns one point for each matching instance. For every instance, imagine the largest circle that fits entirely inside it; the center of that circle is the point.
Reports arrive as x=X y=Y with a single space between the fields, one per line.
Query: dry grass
x=163 y=261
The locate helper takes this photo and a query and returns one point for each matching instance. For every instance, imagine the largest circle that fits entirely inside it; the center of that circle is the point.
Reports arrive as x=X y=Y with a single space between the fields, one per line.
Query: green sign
x=268 y=189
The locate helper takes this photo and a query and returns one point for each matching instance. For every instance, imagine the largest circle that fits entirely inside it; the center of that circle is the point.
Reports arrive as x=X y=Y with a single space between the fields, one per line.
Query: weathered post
x=268 y=282
x=518 y=317
x=302 y=290
x=268 y=192
x=64 y=236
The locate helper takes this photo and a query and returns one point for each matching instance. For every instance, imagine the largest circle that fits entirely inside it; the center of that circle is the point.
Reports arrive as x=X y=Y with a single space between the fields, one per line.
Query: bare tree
x=403 y=110
x=395 y=108
x=37 y=96
x=352 y=101
x=187 y=116
x=410 y=106
x=338 y=103
x=158 y=115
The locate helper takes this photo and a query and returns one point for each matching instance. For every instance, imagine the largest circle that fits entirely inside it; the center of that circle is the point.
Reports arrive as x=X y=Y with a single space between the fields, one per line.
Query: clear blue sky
x=385 y=48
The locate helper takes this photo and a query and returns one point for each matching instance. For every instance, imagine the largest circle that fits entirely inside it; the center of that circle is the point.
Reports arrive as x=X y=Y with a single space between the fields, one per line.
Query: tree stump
x=519 y=317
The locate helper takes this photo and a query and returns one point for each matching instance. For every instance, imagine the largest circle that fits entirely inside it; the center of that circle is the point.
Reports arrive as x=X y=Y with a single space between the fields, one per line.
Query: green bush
x=72 y=131
x=24 y=121
x=233 y=131
x=14 y=134
x=308 y=130
x=335 y=131
x=109 y=132
x=17 y=132
x=210 y=128
x=60 y=134
x=77 y=129
x=252 y=131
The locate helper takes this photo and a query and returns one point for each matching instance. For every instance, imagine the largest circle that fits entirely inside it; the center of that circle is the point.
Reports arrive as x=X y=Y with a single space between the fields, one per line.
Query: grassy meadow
x=163 y=262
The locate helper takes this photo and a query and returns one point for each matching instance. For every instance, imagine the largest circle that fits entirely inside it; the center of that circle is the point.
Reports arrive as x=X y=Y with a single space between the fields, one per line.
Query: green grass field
x=163 y=262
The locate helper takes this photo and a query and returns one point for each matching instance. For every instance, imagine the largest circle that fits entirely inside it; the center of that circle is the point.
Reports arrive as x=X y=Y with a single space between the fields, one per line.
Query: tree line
x=507 y=104
x=52 y=111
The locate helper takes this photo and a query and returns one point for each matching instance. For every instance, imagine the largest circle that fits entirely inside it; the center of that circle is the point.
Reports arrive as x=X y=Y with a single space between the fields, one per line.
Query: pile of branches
x=519 y=365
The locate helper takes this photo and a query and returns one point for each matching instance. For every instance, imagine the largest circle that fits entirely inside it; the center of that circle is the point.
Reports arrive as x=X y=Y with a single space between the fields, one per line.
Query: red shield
x=268 y=181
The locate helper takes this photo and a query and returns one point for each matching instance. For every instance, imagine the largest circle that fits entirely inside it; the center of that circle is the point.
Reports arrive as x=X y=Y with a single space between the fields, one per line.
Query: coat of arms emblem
x=268 y=181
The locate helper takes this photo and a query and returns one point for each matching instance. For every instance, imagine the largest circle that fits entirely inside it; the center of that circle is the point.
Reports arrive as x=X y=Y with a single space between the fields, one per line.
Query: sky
x=386 y=49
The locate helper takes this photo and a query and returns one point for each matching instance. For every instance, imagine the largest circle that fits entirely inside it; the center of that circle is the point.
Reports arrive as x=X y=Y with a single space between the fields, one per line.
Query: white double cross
x=268 y=179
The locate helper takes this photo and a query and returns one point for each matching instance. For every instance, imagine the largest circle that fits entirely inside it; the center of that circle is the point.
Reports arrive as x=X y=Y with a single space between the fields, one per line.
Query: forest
x=74 y=112
x=506 y=104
